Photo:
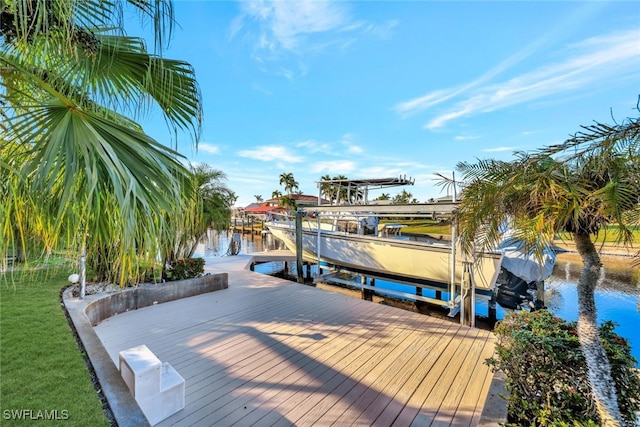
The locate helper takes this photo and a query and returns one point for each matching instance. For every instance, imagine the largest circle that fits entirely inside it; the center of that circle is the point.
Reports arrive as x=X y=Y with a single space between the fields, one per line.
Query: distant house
x=274 y=206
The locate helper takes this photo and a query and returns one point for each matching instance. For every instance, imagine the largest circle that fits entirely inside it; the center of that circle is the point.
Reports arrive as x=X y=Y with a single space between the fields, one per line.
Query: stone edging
x=87 y=313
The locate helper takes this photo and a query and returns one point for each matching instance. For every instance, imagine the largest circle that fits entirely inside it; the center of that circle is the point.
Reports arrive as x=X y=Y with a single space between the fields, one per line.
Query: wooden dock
x=270 y=352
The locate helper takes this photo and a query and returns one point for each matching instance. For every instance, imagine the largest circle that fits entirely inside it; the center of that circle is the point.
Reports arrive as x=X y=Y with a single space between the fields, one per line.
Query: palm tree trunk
x=598 y=367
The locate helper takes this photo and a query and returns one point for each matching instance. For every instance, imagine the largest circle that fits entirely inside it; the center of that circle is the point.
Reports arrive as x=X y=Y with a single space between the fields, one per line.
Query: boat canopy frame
x=363 y=185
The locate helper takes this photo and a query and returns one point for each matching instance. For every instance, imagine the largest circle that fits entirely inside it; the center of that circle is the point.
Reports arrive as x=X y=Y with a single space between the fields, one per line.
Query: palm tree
x=217 y=198
x=288 y=202
x=580 y=187
x=207 y=206
x=326 y=188
x=289 y=182
x=275 y=194
x=403 y=197
x=383 y=196
x=69 y=75
x=259 y=198
x=340 y=192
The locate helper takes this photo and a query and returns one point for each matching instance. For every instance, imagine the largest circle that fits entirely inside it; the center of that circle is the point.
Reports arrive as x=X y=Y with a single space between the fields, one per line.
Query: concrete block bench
x=156 y=386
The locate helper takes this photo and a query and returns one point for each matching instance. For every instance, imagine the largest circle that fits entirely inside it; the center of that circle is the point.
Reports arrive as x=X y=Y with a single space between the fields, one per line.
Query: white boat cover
x=526 y=265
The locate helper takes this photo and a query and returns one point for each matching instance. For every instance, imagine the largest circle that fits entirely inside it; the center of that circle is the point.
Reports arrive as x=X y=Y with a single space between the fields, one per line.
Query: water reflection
x=217 y=243
x=617 y=295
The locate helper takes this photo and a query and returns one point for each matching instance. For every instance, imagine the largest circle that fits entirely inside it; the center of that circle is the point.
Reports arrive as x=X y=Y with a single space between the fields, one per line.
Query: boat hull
x=388 y=256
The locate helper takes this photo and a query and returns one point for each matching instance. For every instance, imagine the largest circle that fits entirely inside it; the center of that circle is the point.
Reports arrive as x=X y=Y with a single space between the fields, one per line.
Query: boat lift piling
x=461 y=287
x=299 y=260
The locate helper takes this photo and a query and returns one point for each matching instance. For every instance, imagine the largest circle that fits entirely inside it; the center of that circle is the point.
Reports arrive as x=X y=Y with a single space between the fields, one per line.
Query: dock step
x=157 y=387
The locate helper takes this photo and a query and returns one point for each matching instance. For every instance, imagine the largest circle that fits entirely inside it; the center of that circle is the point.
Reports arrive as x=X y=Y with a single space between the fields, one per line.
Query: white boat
x=387 y=253
x=350 y=237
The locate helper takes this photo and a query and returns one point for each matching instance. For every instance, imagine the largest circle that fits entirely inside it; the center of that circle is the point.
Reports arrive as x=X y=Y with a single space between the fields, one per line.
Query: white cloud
x=597 y=59
x=269 y=153
x=499 y=149
x=465 y=137
x=589 y=63
x=208 y=148
x=354 y=149
x=301 y=27
x=333 y=167
x=286 y=24
x=312 y=146
x=382 y=31
x=382 y=171
x=421 y=103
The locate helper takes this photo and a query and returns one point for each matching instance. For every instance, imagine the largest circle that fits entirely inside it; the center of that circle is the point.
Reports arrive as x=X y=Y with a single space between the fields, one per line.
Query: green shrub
x=547 y=373
x=186 y=269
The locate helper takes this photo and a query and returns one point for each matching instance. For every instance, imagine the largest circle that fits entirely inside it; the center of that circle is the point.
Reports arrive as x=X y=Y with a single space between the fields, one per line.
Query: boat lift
x=461 y=295
x=462 y=301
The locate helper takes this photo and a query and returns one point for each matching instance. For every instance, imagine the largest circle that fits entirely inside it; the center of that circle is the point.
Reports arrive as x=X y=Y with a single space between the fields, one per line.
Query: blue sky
x=390 y=88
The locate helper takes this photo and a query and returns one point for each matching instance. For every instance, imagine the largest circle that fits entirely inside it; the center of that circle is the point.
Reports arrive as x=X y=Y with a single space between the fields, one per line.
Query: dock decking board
x=272 y=352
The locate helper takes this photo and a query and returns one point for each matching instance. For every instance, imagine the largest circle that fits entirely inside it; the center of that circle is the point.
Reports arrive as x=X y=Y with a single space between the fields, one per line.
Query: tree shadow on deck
x=308 y=367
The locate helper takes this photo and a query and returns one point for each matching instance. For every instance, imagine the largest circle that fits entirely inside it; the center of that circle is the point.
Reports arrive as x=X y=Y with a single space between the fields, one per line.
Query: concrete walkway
x=268 y=352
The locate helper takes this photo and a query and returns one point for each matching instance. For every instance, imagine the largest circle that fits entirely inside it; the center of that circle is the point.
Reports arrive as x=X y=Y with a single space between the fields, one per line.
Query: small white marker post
x=83 y=281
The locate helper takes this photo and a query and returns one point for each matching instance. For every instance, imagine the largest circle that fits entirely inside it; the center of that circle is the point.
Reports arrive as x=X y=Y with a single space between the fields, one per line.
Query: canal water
x=617 y=295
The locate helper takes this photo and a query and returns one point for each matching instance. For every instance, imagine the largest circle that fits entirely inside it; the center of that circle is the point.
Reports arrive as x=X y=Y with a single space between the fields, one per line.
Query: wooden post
x=299 y=247
x=366 y=294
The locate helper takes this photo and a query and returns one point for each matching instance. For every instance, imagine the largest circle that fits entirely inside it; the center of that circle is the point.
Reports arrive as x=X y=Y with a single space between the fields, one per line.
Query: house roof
x=263 y=209
x=299 y=198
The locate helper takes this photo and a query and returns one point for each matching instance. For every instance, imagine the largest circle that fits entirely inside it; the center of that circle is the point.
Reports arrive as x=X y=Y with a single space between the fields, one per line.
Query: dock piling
x=299 y=260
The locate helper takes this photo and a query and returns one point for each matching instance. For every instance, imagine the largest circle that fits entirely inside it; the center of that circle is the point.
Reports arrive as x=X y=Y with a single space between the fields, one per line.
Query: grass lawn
x=607 y=235
x=43 y=375
x=423 y=226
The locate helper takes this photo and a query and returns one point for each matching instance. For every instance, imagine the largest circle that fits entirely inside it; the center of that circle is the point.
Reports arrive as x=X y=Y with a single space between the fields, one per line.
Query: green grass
x=42 y=370
x=423 y=226
x=608 y=235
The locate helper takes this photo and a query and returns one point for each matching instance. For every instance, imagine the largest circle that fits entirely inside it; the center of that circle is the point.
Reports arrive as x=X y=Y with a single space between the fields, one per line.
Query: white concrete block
x=140 y=369
x=157 y=387
x=170 y=399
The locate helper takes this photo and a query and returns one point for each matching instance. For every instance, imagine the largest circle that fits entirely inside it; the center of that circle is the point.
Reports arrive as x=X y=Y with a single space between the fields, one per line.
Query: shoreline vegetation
x=622 y=261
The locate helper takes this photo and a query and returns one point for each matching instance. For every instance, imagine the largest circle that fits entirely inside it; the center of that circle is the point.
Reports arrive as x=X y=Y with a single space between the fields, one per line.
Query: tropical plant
x=546 y=370
x=289 y=182
x=208 y=205
x=578 y=187
x=403 y=197
x=383 y=196
x=275 y=194
x=288 y=202
x=259 y=198
x=340 y=192
x=327 y=189
x=76 y=172
x=185 y=269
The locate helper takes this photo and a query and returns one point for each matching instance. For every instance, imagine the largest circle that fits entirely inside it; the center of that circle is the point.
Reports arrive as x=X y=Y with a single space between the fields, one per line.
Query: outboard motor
x=513 y=292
